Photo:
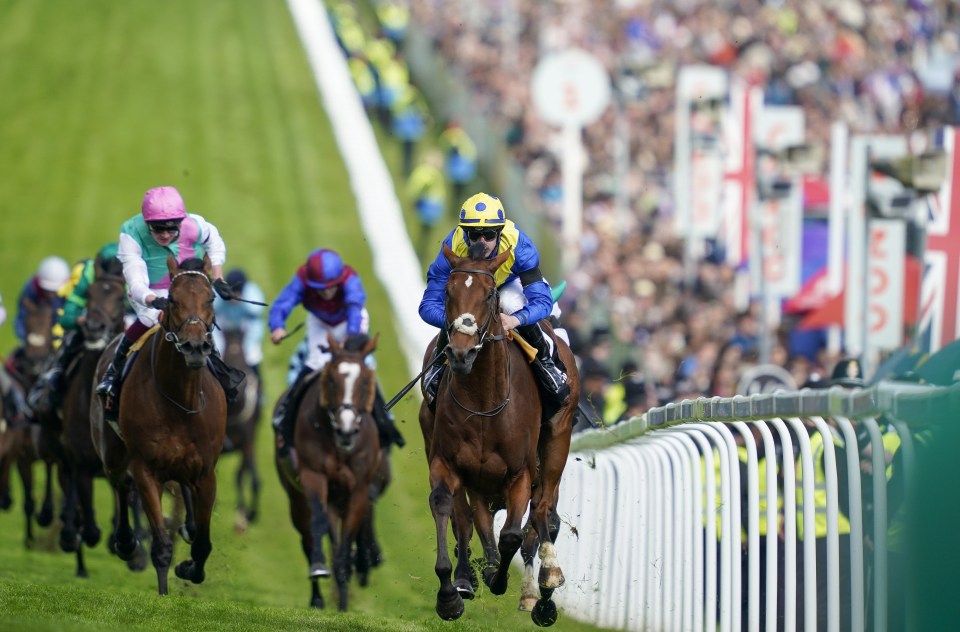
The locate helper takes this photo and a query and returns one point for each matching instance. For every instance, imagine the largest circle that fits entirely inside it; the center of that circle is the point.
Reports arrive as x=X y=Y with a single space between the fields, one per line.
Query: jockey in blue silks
x=525 y=296
x=334 y=298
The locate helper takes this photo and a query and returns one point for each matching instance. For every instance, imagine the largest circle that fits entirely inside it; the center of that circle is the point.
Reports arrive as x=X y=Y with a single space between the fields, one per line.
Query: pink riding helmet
x=162 y=203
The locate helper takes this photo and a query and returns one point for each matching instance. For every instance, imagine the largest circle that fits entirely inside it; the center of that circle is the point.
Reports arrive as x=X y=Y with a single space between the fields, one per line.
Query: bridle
x=493 y=309
x=171 y=335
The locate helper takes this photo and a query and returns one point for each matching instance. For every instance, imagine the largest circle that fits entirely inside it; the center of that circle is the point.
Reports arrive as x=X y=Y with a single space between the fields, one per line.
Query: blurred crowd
x=645 y=335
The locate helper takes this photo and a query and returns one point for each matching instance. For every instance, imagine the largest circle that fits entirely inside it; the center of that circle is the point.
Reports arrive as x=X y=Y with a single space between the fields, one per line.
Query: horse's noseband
x=467 y=323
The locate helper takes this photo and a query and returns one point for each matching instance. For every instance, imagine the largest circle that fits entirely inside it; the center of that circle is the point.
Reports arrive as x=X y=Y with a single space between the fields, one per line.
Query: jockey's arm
x=290 y=297
x=213 y=244
x=432 y=304
x=134 y=270
x=354 y=297
x=527 y=267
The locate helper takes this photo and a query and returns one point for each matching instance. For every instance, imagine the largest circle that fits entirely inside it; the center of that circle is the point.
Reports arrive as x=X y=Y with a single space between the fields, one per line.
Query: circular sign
x=764 y=379
x=570 y=88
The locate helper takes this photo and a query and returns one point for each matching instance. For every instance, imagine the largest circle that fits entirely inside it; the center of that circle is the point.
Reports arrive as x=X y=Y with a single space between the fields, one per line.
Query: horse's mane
x=192 y=264
x=111 y=267
x=475 y=251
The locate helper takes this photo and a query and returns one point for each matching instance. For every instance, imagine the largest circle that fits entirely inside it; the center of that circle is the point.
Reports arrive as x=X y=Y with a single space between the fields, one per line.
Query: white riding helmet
x=53 y=273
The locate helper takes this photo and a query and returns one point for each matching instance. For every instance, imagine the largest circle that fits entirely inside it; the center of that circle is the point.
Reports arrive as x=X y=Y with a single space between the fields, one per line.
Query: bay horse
x=339 y=467
x=494 y=442
x=243 y=419
x=29 y=442
x=171 y=424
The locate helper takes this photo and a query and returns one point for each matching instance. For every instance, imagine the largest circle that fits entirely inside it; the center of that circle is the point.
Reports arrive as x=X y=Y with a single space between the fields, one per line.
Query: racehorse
x=493 y=437
x=339 y=465
x=28 y=442
x=102 y=320
x=172 y=419
x=243 y=418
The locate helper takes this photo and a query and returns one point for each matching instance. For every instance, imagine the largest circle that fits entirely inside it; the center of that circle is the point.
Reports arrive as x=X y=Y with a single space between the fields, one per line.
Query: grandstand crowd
x=644 y=334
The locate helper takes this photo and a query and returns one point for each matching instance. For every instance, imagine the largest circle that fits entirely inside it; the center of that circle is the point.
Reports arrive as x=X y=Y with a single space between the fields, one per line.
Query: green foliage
x=101 y=100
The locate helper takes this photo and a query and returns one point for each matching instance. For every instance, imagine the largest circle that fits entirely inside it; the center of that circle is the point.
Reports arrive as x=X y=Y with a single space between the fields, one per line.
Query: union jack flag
x=939 y=313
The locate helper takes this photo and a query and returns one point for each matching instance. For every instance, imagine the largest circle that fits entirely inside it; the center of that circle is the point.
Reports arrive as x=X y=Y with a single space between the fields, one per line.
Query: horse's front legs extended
x=161 y=546
x=464 y=576
x=511 y=535
x=443 y=487
x=357 y=509
x=315 y=487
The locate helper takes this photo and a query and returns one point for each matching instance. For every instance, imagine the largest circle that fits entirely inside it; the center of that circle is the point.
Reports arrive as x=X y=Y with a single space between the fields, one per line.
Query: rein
x=156 y=383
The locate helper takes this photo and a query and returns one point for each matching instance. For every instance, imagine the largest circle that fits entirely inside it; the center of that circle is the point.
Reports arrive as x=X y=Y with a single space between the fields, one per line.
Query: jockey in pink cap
x=163 y=227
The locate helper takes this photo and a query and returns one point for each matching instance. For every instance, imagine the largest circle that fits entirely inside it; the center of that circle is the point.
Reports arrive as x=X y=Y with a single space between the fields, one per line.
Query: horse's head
x=188 y=321
x=348 y=387
x=38 y=342
x=472 y=305
x=105 y=309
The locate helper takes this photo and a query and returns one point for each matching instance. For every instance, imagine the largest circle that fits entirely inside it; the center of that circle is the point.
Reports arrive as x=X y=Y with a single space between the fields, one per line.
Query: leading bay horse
x=492 y=437
x=340 y=467
x=172 y=419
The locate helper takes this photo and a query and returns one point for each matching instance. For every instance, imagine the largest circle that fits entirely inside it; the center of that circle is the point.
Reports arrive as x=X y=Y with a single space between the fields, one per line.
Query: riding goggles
x=489 y=234
x=166 y=227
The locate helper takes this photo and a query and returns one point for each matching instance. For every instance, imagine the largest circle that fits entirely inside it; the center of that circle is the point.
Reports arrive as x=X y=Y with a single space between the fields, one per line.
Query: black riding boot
x=545 y=366
x=47 y=394
x=284 y=419
x=16 y=409
x=386 y=423
x=434 y=373
x=109 y=387
x=230 y=378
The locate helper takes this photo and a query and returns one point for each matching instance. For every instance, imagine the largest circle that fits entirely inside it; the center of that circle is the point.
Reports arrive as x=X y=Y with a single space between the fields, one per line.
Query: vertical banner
x=939 y=310
x=740 y=178
x=886 y=256
x=696 y=85
x=863 y=148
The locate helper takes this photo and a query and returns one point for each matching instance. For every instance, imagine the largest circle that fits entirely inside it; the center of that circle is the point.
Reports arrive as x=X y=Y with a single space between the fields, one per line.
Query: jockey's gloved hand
x=161 y=303
x=224 y=290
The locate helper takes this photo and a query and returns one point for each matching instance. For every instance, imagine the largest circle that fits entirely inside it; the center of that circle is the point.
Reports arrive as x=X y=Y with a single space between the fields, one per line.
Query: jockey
x=70 y=321
x=525 y=296
x=333 y=295
x=42 y=288
x=162 y=228
x=12 y=399
x=245 y=317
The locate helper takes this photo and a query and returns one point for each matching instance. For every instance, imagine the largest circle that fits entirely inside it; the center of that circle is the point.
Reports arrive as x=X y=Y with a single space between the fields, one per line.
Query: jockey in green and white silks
x=162 y=228
x=524 y=294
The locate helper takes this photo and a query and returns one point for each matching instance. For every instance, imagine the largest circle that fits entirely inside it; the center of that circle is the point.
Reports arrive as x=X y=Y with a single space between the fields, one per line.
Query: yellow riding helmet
x=484 y=211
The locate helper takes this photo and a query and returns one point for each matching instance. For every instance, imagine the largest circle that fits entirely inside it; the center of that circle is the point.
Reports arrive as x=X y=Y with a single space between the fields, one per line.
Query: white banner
x=885 y=284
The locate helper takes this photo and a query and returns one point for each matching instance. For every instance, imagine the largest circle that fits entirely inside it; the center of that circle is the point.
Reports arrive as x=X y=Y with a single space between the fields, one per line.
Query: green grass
x=101 y=100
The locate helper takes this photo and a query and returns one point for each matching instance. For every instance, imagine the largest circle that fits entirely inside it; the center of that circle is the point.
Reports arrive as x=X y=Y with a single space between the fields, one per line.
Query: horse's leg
x=300 y=516
x=69 y=538
x=84 y=485
x=81 y=566
x=25 y=468
x=45 y=517
x=529 y=594
x=483 y=522
x=240 y=522
x=443 y=487
x=188 y=528
x=554 y=449
x=357 y=509
x=125 y=539
x=161 y=546
x=464 y=577
x=511 y=535
x=205 y=493
x=365 y=547
x=6 y=501
x=254 y=486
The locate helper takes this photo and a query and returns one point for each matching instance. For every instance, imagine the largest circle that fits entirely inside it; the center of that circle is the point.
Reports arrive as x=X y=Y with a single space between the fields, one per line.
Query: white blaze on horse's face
x=469 y=281
x=350 y=372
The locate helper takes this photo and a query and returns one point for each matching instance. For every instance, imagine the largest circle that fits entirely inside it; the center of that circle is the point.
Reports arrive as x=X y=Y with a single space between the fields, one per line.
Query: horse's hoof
x=527 y=604
x=464 y=588
x=82 y=573
x=363 y=579
x=488 y=574
x=450 y=610
x=251 y=516
x=317 y=602
x=139 y=562
x=318 y=570
x=91 y=536
x=544 y=614
x=126 y=550
x=188 y=570
x=6 y=502
x=45 y=517
x=551 y=578
x=69 y=541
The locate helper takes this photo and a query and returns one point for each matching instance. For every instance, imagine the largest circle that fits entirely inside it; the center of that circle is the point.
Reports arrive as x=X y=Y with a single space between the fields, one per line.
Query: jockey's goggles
x=488 y=234
x=164 y=227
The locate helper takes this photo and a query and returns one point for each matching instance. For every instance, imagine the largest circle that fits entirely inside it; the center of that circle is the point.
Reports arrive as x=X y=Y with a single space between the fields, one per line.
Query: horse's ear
x=207 y=264
x=335 y=347
x=450 y=255
x=371 y=345
x=499 y=259
x=172 y=265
